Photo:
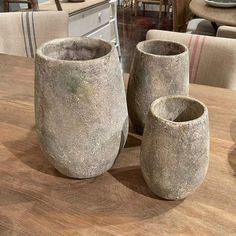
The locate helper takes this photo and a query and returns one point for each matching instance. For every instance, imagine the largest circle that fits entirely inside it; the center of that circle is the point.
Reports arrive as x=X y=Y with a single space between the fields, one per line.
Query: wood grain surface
x=224 y=16
x=37 y=200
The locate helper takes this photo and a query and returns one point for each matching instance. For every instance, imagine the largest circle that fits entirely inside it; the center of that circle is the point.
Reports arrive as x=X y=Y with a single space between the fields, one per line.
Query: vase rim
x=41 y=54
x=198 y=119
x=140 y=44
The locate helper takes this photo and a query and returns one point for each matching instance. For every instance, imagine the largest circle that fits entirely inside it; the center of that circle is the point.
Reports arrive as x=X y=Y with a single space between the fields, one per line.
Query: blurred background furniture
x=114 y=25
x=183 y=20
x=226 y=32
x=166 y=3
x=212 y=59
x=93 y=18
x=23 y=32
x=32 y=4
x=126 y=3
x=159 y=2
x=219 y=15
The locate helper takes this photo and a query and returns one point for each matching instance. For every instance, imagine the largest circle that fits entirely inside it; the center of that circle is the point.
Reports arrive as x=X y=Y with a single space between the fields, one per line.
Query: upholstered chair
x=212 y=59
x=183 y=20
x=21 y=33
x=226 y=32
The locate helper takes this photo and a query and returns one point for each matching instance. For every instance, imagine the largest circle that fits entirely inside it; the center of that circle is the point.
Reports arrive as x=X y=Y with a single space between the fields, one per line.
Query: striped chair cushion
x=195 y=46
x=22 y=32
x=212 y=59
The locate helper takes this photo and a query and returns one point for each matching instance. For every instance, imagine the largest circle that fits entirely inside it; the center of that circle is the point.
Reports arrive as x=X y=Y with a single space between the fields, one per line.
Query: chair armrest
x=226 y=32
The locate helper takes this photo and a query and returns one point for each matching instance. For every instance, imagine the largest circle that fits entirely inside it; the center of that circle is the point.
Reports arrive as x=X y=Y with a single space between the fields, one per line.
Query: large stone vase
x=159 y=68
x=80 y=105
x=175 y=148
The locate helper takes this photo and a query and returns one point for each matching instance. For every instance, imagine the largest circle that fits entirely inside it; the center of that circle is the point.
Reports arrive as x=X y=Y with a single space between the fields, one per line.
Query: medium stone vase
x=159 y=68
x=175 y=148
x=80 y=105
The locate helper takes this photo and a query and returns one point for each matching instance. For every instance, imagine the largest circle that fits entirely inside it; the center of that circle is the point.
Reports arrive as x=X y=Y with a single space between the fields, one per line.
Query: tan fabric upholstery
x=212 y=59
x=226 y=32
x=22 y=32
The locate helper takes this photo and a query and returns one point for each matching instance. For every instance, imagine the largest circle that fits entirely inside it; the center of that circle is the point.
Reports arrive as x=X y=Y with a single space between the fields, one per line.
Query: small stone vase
x=80 y=105
x=175 y=148
x=159 y=68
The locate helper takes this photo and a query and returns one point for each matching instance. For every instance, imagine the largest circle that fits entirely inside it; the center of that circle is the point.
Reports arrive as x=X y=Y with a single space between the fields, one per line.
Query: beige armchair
x=212 y=59
x=22 y=32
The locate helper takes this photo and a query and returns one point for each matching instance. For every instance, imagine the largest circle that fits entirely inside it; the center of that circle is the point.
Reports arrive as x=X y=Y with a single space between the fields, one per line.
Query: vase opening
x=161 y=48
x=178 y=109
x=78 y=49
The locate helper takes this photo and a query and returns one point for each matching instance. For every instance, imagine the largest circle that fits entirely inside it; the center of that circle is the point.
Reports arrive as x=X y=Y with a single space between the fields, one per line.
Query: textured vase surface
x=159 y=68
x=80 y=105
x=175 y=148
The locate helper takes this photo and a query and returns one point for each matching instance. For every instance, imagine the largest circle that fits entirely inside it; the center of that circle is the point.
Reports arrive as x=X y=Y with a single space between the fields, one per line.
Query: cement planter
x=159 y=68
x=80 y=105
x=175 y=147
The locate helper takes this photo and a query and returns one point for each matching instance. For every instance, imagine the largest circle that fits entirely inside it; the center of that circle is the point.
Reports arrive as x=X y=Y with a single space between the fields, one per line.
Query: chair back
x=211 y=59
x=226 y=32
x=21 y=33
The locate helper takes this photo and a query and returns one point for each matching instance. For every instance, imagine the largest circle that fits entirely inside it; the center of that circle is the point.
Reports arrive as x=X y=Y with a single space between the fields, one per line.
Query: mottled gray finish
x=80 y=105
x=175 y=147
x=159 y=68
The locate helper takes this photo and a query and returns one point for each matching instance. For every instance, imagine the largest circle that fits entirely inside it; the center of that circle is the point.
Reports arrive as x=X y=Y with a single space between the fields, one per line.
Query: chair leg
x=34 y=5
x=135 y=7
x=143 y=8
x=168 y=7
x=29 y=5
x=160 y=11
x=58 y=5
x=6 y=6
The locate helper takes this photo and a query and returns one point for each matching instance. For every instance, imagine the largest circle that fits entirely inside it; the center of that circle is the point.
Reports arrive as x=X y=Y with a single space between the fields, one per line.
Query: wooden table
x=37 y=200
x=224 y=16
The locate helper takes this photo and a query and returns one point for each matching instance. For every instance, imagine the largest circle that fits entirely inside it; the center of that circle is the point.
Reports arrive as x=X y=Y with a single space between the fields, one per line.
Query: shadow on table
x=27 y=150
x=132 y=178
x=232 y=153
x=133 y=140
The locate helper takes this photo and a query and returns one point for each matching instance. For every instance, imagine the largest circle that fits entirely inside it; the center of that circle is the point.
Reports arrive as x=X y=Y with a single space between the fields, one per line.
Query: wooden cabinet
x=102 y=33
x=114 y=34
x=97 y=22
x=92 y=18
